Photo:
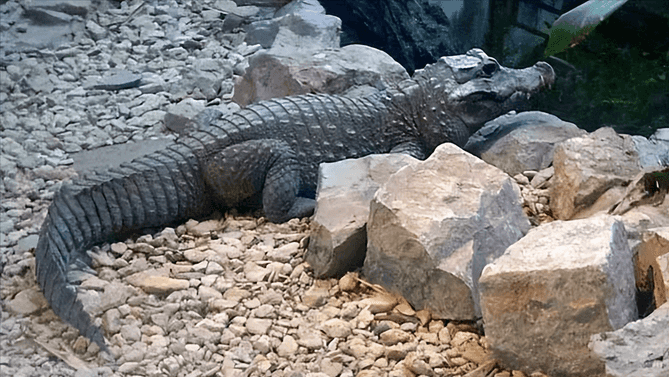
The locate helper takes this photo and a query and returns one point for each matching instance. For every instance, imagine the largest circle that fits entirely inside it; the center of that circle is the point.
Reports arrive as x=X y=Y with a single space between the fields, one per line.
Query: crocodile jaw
x=482 y=99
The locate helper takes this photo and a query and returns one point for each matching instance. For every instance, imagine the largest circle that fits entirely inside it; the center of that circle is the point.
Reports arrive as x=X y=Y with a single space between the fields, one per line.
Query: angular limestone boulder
x=650 y=265
x=640 y=349
x=589 y=166
x=561 y=283
x=517 y=142
x=331 y=71
x=434 y=226
x=338 y=239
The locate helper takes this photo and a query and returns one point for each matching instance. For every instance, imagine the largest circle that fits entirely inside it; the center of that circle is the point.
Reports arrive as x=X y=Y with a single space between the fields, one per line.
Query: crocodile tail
x=51 y=271
x=155 y=190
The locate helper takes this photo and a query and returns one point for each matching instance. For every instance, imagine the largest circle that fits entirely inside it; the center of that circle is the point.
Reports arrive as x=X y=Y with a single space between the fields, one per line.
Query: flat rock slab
x=111 y=156
x=338 y=239
x=434 y=226
x=121 y=80
x=640 y=349
x=71 y=7
x=587 y=167
x=519 y=142
x=47 y=17
x=553 y=289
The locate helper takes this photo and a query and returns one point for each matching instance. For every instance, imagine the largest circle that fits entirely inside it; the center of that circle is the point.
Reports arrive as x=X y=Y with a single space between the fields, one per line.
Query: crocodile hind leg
x=266 y=167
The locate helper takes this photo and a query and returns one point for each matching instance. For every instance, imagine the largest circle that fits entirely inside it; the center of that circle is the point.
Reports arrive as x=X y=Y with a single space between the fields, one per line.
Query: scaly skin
x=269 y=153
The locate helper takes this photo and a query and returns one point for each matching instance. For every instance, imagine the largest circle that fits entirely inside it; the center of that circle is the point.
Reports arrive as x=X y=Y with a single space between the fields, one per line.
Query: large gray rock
x=299 y=27
x=654 y=151
x=306 y=31
x=519 y=142
x=434 y=226
x=553 y=289
x=640 y=349
x=587 y=167
x=331 y=71
x=338 y=239
x=661 y=134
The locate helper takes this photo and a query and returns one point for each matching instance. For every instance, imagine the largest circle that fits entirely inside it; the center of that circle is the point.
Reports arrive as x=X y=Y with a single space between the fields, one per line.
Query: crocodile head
x=465 y=91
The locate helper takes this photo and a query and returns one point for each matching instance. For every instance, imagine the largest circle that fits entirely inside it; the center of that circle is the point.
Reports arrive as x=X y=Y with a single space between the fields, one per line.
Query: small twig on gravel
x=67 y=357
x=483 y=370
x=375 y=287
x=131 y=16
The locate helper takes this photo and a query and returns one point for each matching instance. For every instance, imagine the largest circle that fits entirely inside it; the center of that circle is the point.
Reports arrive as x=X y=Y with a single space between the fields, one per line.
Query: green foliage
x=612 y=85
x=617 y=76
x=571 y=28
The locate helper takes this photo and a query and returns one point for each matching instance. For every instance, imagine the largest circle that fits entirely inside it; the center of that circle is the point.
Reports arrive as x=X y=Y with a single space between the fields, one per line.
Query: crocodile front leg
x=266 y=167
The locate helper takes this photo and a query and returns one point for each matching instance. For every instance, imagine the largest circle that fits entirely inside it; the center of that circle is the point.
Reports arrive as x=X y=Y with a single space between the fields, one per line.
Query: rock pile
x=541 y=293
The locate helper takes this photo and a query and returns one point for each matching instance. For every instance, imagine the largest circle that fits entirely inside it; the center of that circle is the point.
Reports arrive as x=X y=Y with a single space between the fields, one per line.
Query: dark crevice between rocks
x=645 y=299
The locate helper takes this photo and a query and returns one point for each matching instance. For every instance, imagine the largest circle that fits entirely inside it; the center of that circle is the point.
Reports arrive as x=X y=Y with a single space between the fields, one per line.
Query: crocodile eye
x=489 y=68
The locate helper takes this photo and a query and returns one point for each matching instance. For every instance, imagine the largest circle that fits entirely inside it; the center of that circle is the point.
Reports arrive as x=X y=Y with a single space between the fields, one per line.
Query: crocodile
x=268 y=154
